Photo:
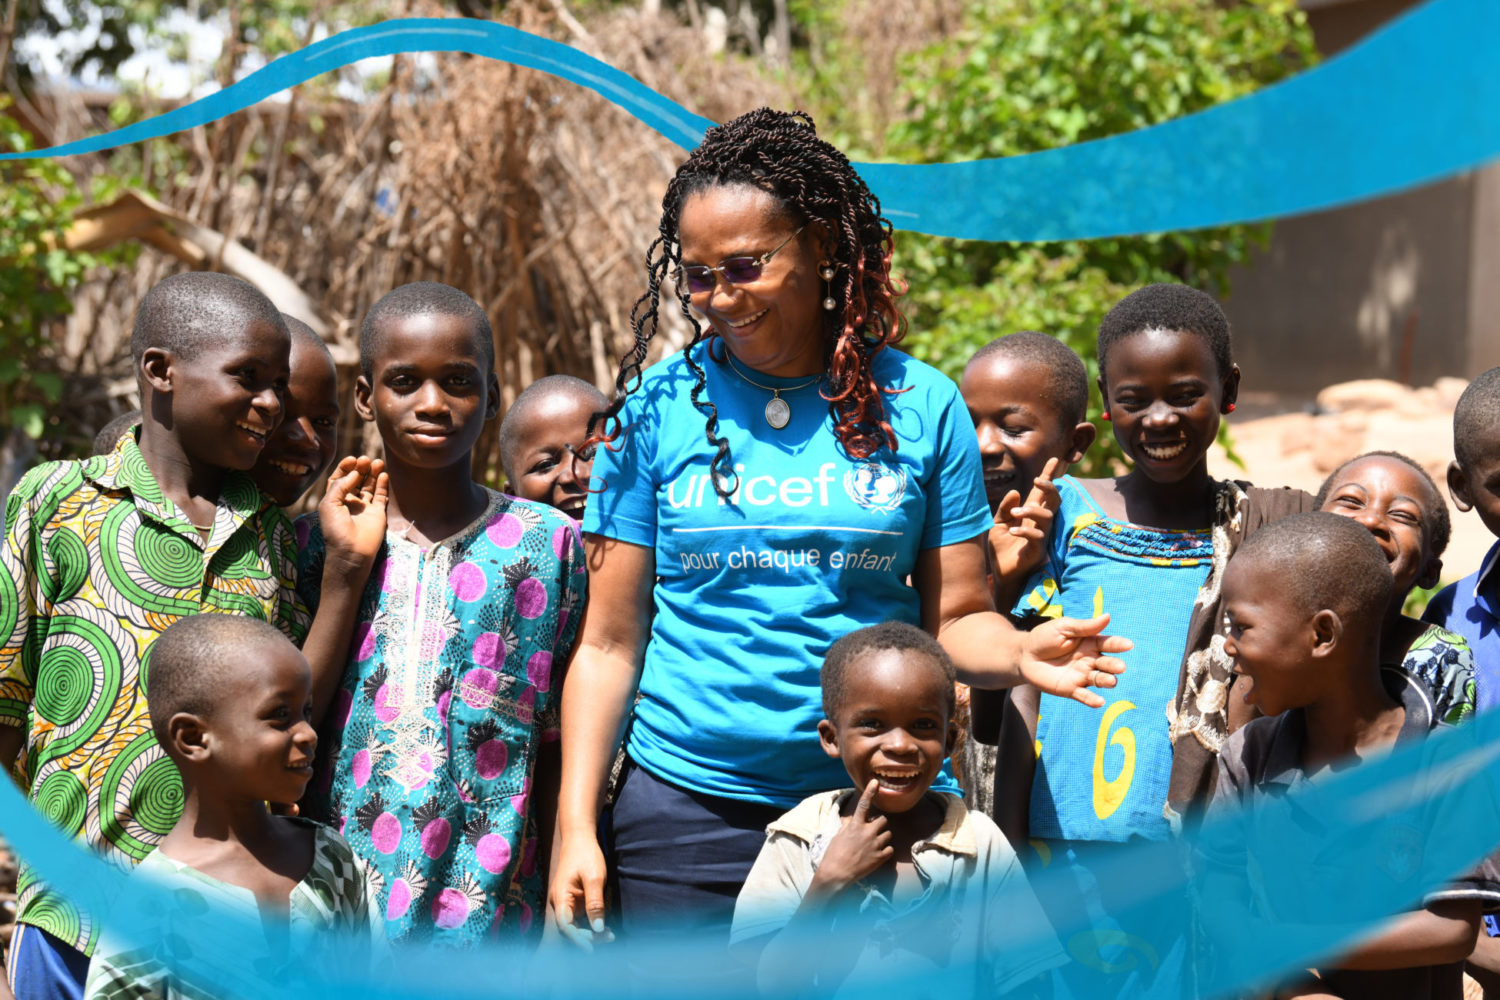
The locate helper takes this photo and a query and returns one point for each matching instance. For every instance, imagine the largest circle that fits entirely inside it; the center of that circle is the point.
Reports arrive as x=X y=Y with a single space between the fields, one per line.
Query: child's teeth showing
x=254 y=431
x=1164 y=453
x=289 y=468
x=896 y=780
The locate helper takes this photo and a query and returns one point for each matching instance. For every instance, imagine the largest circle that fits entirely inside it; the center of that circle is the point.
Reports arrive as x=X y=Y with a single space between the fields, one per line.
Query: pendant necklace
x=778 y=410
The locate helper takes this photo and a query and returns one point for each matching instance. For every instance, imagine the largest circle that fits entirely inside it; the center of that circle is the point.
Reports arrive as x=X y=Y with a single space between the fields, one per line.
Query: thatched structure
x=535 y=197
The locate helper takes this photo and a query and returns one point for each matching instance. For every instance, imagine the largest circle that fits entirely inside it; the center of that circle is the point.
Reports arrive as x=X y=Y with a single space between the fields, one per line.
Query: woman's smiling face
x=1164 y=396
x=775 y=323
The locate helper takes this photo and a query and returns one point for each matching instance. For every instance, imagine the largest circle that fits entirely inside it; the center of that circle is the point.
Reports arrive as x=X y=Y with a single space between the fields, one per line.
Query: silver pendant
x=778 y=412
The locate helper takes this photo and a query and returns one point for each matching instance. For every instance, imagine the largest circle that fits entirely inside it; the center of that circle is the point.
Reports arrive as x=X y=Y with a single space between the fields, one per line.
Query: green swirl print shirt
x=97 y=563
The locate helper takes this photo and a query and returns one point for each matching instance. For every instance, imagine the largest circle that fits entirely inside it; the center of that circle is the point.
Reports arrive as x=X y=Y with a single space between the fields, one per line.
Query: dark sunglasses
x=736 y=270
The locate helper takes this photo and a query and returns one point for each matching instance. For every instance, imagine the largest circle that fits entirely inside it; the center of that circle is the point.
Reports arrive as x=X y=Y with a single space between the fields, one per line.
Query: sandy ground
x=1284 y=443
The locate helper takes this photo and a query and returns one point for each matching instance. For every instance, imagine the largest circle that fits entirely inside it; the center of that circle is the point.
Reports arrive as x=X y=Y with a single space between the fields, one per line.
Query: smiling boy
x=543 y=442
x=439 y=759
x=101 y=556
x=230 y=699
x=888 y=878
x=1305 y=600
x=302 y=446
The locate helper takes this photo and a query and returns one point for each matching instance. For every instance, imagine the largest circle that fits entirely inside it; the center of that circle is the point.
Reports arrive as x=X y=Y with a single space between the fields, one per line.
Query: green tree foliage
x=1028 y=75
x=37 y=275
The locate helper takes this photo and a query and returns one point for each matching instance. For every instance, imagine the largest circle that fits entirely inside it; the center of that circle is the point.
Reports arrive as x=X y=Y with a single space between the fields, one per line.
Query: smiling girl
x=1396 y=501
x=1148 y=547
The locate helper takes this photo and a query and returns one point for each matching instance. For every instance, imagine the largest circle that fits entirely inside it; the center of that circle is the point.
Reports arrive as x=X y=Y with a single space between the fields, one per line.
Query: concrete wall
x=1405 y=287
x=1378 y=290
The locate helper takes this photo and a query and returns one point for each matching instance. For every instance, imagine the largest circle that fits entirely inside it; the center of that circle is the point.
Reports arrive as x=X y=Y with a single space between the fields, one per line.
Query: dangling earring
x=1228 y=407
x=827 y=271
x=1105 y=414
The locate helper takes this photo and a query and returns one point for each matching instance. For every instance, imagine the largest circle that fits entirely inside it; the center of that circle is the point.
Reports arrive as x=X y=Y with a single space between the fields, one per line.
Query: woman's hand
x=1018 y=537
x=861 y=846
x=576 y=896
x=598 y=690
x=1067 y=656
x=352 y=512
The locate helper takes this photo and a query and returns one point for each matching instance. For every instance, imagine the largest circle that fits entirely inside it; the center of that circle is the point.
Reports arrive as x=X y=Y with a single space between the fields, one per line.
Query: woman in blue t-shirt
x=783 y=480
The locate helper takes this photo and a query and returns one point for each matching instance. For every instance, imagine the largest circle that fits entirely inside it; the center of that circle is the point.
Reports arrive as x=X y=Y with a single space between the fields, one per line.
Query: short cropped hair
x=1439 y=526
x=189 y=662
x=887 y=635
x=1168 y=307
x=424 y=298
x=183 y=313
x=1067 y=384
x=520 y=410
x=109 y=435
x=1476 y=417
x=304 y=334
x=1323 y=560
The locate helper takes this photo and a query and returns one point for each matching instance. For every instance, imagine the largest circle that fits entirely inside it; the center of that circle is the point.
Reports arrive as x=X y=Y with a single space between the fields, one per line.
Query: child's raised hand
x=352 y=513
x=862 y=845
x=1018 y=538
x=1067 y=657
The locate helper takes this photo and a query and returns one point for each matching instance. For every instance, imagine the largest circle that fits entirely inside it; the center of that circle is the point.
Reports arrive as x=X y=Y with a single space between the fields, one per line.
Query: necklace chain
x=778 y=410
x=769 y=388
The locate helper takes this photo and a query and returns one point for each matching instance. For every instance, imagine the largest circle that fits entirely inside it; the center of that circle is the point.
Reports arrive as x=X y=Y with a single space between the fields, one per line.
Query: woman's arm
x=596 y=698
x=1064 y=656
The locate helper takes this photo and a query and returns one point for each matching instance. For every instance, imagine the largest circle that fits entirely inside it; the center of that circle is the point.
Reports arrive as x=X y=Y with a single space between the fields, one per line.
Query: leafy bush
x=37 y=275
x=1028 y=75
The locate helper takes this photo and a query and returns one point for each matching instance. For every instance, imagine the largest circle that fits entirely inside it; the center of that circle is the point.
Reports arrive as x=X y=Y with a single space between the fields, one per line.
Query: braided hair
x=779 y=152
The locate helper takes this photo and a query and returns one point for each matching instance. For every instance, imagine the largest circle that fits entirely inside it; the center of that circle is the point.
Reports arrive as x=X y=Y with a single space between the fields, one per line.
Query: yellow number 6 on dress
x=1109 y=794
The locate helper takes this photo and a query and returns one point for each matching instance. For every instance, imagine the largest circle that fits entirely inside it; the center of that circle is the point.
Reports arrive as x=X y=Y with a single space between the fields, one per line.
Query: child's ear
x=1327 y=630
x=362 y=400
x=492 y=401
x=828 y=737
x=1432 y=572
x=1231 y=387
x=156 y=368
x=1458 y=487
x=1083 y=439
x=185 y=735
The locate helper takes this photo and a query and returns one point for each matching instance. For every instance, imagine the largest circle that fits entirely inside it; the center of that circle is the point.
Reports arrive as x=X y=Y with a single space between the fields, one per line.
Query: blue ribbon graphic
x=1413 y=103
x=1347 y=850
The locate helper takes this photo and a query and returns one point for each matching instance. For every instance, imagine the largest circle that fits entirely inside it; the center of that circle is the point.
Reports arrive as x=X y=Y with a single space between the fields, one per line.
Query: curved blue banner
x=1414 y=102
x=1346 y=850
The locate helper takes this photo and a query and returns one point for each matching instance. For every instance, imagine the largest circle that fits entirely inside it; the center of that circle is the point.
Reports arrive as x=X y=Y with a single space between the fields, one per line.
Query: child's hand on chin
x=352 y=512
x=862 y=845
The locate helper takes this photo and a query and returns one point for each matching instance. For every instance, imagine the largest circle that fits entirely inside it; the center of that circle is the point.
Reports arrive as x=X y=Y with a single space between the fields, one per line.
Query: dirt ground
x=1298 y=441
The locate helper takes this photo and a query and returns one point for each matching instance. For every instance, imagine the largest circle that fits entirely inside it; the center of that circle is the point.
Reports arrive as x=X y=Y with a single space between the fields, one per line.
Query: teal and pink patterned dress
x=426 y=756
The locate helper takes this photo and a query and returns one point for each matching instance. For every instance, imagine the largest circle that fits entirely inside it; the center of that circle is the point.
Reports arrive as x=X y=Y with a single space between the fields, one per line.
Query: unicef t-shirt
x=751 y=593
